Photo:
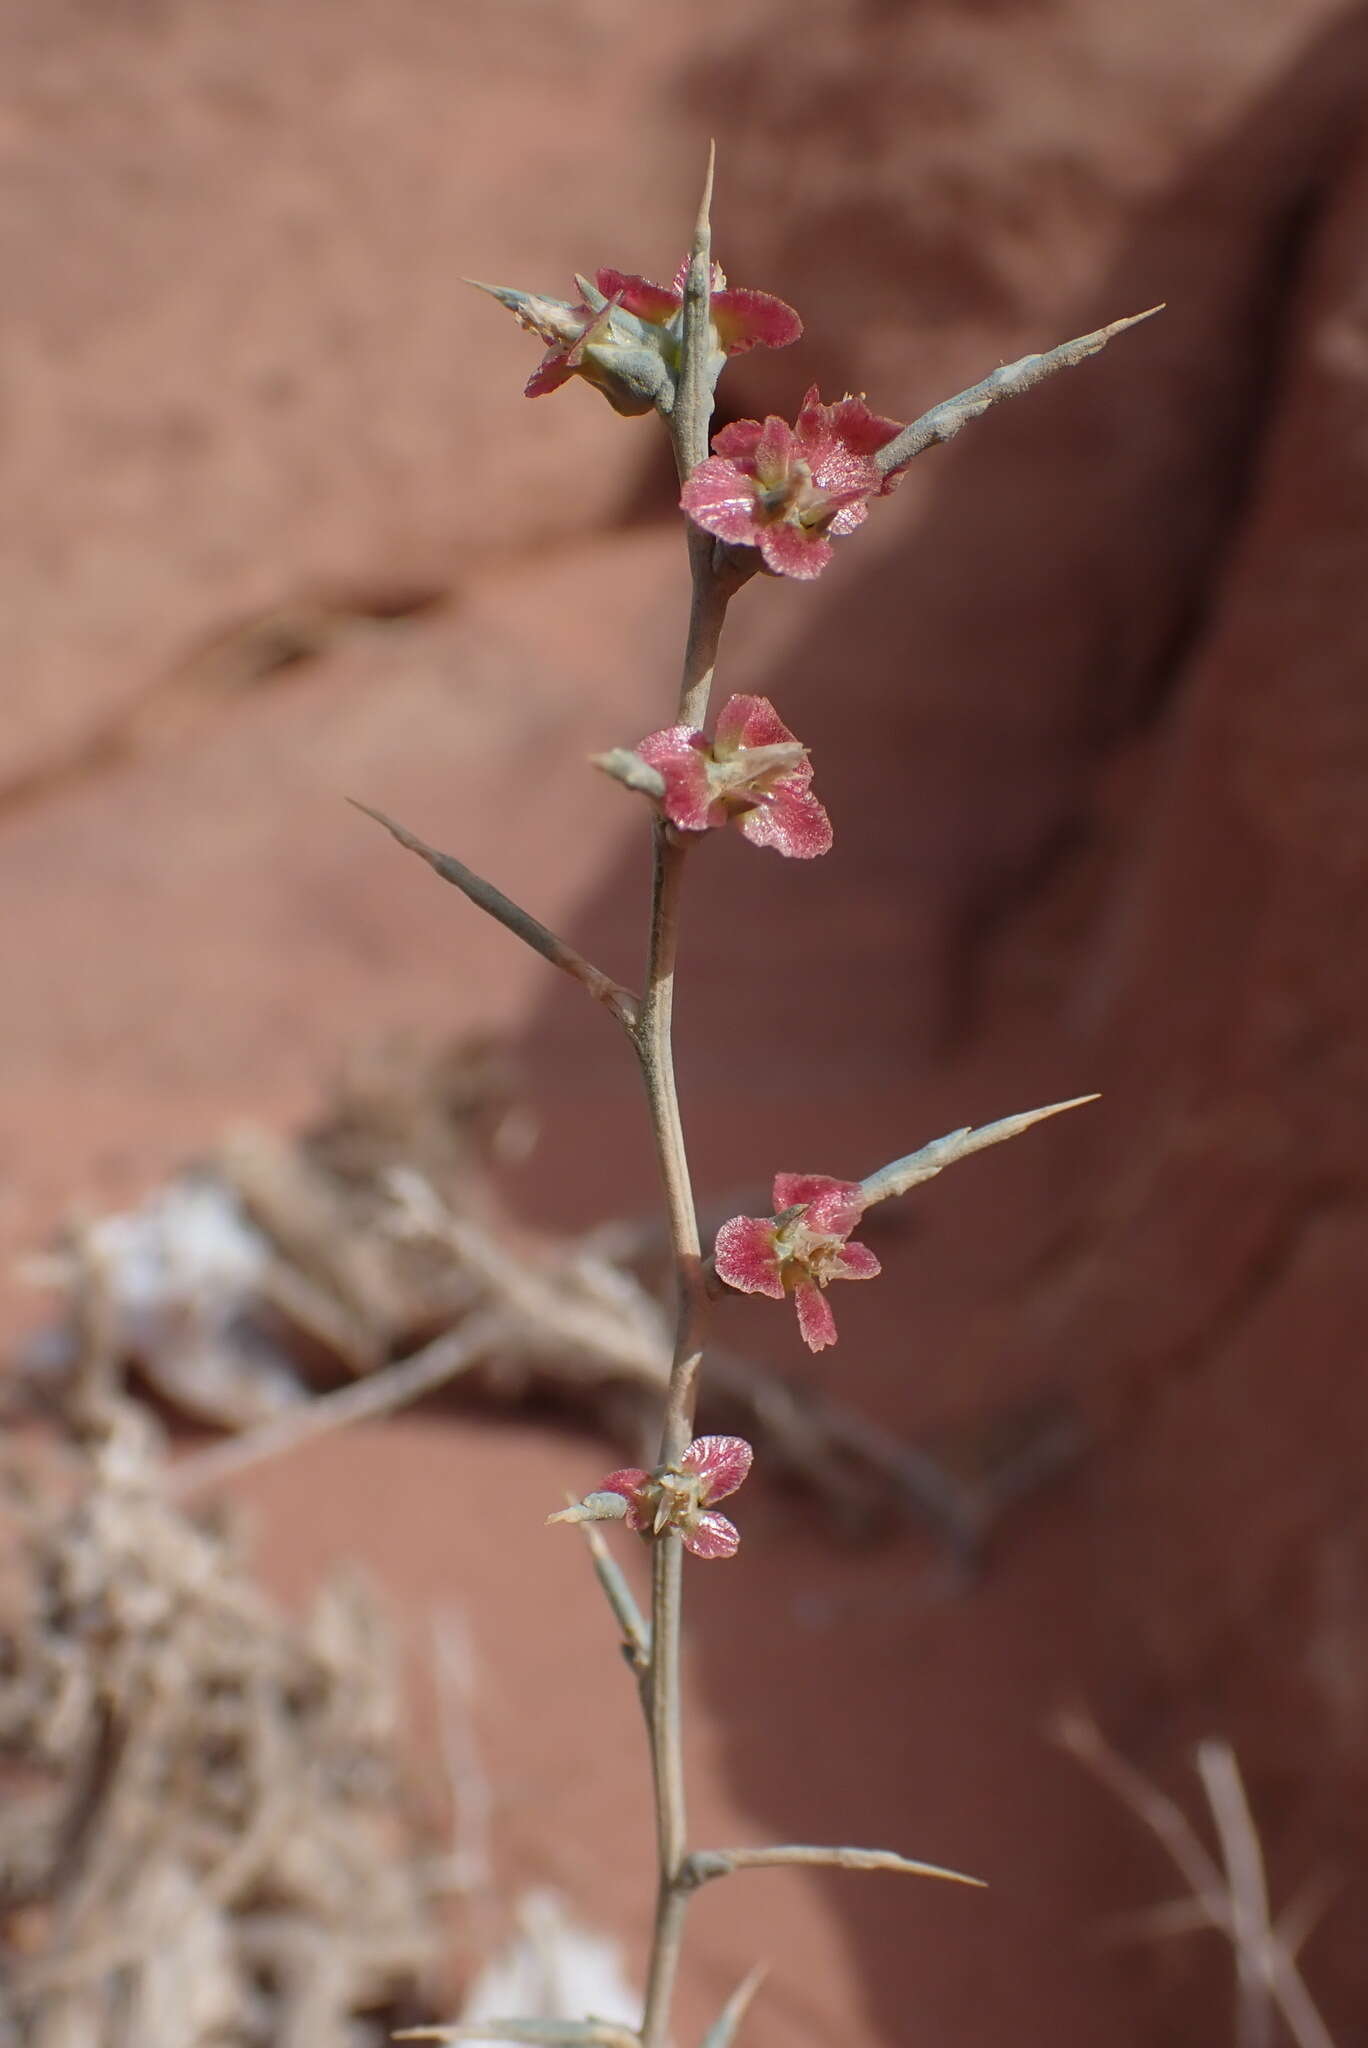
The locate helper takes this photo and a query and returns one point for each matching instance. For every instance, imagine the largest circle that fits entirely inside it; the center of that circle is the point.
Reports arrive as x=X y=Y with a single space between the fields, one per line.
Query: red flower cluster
x=786 y=490
x=799 y=1253
x=753 y=770
x=677 y=1497
x=742 y=319
x=624 y=333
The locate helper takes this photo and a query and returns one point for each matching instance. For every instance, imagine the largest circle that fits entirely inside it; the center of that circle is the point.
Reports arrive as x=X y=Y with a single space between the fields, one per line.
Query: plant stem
x=654 y=1043
x=620 y=1001
x=653 y=1037
x=667 y=1765
x=714 y=582
x=693 y=406
x=655 y=1048
x=714 y=587
x=944 y=421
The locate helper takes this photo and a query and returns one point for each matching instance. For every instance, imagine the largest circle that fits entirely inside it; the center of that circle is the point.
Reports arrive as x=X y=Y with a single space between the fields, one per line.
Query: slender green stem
x=664 y=1705
x=667 y=1940
x=713 y=585
x=663 y=1692
x=655 y=1048
x=667 y=1571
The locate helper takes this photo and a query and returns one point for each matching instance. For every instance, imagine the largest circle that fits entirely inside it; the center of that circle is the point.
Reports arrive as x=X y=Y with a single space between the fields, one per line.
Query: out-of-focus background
x=1087 y=705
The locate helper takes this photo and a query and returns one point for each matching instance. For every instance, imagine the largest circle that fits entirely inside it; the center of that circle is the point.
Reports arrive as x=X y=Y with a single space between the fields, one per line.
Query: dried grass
x=203 y=1840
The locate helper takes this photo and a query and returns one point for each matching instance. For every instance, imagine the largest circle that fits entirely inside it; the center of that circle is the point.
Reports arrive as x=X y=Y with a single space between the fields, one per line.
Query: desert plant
x=770 y=498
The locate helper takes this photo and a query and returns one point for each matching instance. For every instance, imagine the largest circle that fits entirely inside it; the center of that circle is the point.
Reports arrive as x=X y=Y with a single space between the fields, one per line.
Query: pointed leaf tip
x=924 y=1164
x=703 y=225
x=705 y=1864
x=502 y=292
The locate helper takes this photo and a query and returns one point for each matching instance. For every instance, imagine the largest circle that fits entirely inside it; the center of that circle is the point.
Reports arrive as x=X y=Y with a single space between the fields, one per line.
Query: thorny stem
x=693 y=406
x=713 y=590
x=664 y=1707
x=655 y=1048
x=716 y=573
x=663 y=1682
x=944 y=421
x=716 y=577
x=619 y=1001
x=654 y=1042
x=705 y=1864
x=649 y=1024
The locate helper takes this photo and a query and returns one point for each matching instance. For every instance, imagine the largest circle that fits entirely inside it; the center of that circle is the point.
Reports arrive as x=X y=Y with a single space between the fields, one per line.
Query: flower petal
x=745 y=1257
x=680 y=755
x=629 y=1483
x=863 y=432
x=712 y=1536
x=551 y=372
x=832 y=1205
x=811 y=422
x=838 y=443
x=748 y=319
x=856 y=1261
x=792 y=550
x=815 y=1319
x=723 y=500
x=851 y=514
x=749 y=722
x=723 y=1461
x=655 y=303
x=792 y=822
x=776 y=451
x=738 y=442
x=841 y=475
x=837 y=1209
x=628 y=1480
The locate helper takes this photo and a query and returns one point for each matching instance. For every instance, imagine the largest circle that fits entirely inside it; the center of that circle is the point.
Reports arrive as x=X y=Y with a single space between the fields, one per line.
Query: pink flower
x=594 y=339
x=677 y=1497
x=578 y=337
x=623 y=335
x=741 y=319
x=785 y=489
x=753 y=770
x=799 y=1254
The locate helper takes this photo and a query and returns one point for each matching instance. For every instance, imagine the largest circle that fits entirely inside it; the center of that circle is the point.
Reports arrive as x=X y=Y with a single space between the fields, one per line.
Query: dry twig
x=1230 y=1896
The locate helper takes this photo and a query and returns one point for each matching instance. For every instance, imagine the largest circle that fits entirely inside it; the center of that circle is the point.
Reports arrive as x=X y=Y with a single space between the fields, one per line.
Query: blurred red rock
x=1113 y=836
